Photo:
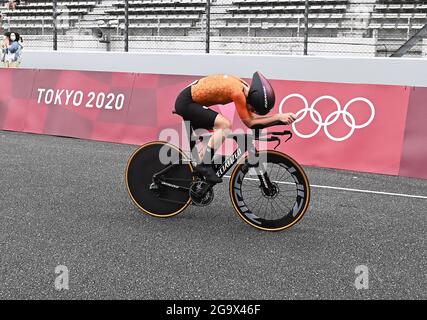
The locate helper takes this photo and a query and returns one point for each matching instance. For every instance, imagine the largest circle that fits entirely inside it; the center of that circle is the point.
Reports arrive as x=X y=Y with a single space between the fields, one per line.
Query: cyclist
x=253 y=102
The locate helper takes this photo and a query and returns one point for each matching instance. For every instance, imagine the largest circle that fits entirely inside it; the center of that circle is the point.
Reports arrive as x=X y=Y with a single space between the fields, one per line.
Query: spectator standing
x=12 y=50
x=4 y=45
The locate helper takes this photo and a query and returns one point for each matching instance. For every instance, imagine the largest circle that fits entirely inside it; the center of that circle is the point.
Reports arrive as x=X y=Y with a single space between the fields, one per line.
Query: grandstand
x=263 y=18
x=356 y=27
x=172 y=17
x=35 y=17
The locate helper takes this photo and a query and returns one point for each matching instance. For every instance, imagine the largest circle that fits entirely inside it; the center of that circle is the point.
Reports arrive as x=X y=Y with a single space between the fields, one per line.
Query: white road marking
x=353 y=190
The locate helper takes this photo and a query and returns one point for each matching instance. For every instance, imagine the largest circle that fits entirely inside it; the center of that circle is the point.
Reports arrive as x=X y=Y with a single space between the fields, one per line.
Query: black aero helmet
x=261 y=94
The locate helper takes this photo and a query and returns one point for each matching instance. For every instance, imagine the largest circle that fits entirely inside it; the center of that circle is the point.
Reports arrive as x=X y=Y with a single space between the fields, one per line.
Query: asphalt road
x=64 y=202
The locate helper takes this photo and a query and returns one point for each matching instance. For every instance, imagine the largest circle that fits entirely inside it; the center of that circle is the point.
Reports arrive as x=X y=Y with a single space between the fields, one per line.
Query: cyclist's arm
x=254 y=121
x=263 y=122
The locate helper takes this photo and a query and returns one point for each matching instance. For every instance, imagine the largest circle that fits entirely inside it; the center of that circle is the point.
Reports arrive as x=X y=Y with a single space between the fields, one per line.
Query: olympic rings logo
x=332 y=118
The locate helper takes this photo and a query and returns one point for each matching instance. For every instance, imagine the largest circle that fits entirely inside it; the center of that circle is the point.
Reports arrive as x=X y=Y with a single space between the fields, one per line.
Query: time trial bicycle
x=268 y=189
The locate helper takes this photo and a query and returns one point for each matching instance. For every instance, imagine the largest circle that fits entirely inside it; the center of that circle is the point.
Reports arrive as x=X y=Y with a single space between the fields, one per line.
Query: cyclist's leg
x=222 y=128
x=201 y=117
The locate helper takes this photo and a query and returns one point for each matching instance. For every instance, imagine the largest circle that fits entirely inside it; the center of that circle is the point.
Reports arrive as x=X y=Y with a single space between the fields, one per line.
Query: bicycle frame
x=245 y=143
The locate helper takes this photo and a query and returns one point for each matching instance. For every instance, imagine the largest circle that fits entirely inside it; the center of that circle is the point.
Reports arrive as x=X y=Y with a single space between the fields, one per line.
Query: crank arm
x=173 y=186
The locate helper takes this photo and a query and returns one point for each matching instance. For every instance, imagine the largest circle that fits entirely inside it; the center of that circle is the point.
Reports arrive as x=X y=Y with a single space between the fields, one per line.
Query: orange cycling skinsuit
x=193 y=102
x=252 y=103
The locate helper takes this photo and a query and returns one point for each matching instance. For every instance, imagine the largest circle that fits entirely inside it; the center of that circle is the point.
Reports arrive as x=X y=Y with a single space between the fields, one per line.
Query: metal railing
x=342 y=27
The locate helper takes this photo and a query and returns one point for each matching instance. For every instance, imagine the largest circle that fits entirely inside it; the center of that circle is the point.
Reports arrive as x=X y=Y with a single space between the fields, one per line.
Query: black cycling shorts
x=200 y=117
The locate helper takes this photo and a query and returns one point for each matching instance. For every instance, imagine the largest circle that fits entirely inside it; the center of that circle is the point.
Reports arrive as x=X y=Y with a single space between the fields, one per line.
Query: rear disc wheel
x=158 y=200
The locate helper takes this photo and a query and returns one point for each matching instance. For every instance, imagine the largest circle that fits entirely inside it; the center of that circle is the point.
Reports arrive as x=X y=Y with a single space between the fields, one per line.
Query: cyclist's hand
x=287 y=118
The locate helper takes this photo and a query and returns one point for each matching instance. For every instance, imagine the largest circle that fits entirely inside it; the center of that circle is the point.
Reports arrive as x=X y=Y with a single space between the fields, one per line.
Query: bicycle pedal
x=201 y=193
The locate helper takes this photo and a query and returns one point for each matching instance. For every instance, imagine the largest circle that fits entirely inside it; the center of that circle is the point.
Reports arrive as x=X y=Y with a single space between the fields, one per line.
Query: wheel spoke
x=286 y=204
x=253 y=187
x=254 y=200
x=279 y=206
x=277 y=172
x=283 y=175
x=275 y=209
x=249 y=203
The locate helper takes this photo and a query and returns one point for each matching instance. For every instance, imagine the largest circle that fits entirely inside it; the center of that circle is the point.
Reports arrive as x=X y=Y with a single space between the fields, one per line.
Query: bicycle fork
x=268 y=188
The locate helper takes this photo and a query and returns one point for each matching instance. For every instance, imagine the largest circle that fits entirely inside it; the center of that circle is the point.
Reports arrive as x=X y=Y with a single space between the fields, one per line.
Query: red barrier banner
x=15 y=91
x=357 y=127
x=153 y=101
x=414 y=155
x=345 y=126
x=90 y=105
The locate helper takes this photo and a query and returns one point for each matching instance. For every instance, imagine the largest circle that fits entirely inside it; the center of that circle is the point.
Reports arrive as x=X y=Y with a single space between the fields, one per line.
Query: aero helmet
x=261 y=94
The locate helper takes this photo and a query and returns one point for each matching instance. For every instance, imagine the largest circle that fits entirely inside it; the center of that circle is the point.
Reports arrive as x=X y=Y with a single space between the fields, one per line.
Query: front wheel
x=272 y=195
